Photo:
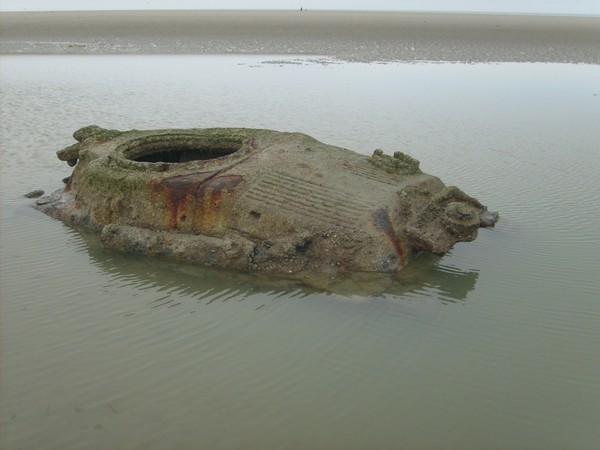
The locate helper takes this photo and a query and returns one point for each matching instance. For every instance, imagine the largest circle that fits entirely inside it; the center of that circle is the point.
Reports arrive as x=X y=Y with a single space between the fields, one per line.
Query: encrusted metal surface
x=259 y=200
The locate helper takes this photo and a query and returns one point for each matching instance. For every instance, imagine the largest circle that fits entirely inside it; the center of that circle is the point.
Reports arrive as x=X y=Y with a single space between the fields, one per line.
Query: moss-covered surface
x=258 y=200
x=400 y=163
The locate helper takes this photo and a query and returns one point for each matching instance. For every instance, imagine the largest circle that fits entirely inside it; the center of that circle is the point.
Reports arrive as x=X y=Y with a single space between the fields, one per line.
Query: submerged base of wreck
x=263 y=200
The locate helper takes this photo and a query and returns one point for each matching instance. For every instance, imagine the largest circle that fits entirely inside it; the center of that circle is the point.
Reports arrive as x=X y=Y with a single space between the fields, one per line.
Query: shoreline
x=350 y=36
x=289 y=10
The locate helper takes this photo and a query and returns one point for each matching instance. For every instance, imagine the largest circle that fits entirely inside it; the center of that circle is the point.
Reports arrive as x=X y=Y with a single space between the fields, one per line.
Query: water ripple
x=144 y=352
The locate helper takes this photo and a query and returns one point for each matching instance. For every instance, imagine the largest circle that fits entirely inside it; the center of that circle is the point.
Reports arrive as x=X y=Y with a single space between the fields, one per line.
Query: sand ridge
x=353 y=36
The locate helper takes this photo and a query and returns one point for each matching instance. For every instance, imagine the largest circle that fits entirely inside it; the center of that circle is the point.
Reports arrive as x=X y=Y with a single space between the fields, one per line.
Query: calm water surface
x=495 y=345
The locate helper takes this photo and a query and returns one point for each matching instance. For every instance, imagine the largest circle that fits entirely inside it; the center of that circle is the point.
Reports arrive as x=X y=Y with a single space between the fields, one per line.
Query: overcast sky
x=512 y=6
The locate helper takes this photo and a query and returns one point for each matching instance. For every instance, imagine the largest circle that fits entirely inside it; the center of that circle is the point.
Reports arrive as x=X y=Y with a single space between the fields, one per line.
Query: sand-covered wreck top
x=349 y=36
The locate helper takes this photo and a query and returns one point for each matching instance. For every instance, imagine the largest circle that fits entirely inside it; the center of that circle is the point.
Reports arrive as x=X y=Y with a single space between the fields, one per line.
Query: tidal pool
x=494 y=345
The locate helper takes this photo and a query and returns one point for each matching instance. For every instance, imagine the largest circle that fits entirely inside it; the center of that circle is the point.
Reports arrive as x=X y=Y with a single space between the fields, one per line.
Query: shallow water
x=494 y=345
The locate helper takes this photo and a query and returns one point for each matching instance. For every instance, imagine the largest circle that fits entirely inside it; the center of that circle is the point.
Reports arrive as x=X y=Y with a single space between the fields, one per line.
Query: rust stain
x=178 y=191
x=225 y=182
x=212 y=196
x=382 y=221
x=215 y=199
x=193 y=200
x=69 y=184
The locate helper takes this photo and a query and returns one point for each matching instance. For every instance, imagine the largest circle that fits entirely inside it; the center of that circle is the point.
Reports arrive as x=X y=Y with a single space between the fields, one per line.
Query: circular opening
x=181 y=148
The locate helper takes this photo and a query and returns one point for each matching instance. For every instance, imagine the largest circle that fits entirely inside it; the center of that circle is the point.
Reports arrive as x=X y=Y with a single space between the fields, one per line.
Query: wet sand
x=354 y=36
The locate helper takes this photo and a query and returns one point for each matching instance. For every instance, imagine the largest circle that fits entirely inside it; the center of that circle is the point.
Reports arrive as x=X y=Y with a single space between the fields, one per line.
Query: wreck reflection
x=426 y=276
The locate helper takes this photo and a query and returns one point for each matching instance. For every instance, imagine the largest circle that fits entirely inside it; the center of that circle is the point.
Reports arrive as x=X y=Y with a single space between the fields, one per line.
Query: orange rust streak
x=215 y=199
x=178 y=191
x=206 y=212
x=383 y=222
x=176 y=202
x=202 y=192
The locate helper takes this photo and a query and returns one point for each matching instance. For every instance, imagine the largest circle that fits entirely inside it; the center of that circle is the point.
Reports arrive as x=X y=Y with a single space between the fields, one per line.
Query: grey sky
x=580 y=7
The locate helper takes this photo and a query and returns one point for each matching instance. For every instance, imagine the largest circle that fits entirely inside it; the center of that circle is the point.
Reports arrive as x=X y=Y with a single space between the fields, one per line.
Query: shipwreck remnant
x=259 y=200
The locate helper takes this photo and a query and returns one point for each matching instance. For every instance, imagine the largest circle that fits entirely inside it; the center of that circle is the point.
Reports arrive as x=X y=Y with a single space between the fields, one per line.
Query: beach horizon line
x=347 y=35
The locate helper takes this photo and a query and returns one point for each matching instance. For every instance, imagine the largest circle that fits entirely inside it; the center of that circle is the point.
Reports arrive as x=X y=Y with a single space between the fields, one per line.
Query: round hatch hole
x=180 y=149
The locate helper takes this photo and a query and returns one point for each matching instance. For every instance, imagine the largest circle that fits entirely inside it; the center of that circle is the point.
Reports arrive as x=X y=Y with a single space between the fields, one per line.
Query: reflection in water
x=426 y=274
x=108 y=350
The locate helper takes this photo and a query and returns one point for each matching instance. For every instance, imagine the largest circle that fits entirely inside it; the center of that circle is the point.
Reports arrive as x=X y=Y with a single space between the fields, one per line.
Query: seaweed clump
x=400 y=163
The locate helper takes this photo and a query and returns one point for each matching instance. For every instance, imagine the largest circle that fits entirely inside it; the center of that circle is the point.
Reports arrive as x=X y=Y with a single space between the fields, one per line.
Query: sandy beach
x=351 y=36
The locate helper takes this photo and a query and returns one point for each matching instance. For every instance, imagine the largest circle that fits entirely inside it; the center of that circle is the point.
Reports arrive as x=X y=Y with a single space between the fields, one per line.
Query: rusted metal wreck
x=259 y=200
